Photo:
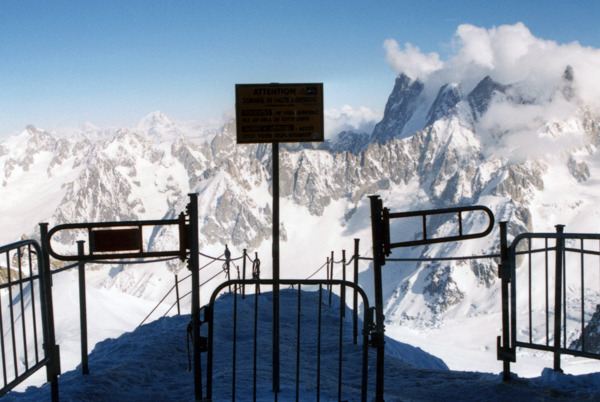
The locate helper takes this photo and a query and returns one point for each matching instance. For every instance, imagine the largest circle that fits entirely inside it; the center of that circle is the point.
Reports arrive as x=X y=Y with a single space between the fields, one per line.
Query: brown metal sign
x=267 y=113
x=116 y=240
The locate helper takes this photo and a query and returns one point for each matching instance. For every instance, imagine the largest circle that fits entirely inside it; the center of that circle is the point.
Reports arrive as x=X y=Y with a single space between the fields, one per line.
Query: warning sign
x=279 y=113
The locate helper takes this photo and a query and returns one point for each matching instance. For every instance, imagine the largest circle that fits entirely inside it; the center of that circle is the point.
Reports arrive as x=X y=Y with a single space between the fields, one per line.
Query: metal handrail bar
x=424 y=214
x=90 y=226
x=566 y=351
x=553 y=235
x=125 y=262
x=16 y=282
x=474 y=257
x=16 y=245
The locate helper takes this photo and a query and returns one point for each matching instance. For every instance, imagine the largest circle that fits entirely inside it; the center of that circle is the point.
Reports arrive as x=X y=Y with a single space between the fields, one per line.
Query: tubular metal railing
x=27 y=340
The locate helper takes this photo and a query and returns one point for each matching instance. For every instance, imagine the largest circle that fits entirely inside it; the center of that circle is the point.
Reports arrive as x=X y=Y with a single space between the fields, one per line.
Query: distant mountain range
x=490 y=146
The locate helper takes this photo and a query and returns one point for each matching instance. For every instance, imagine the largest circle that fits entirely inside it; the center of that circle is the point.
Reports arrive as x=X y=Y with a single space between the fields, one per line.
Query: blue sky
x=63 y=63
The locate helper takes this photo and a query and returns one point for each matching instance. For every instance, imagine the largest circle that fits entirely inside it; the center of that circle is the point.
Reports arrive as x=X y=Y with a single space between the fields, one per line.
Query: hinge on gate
x=377 y=339
x=370 y=319
x=504 y=272
x=505 y=354
x=206 y=317
x=203 y=344
x=55 y=361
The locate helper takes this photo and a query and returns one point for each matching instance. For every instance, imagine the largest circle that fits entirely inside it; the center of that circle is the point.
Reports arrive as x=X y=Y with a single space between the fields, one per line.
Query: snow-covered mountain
x=531 y=156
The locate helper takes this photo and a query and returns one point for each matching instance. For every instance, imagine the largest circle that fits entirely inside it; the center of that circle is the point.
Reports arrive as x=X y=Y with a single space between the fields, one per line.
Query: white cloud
x=361 y=120
x=411 y=61
x=509 y=54
x=517 y=132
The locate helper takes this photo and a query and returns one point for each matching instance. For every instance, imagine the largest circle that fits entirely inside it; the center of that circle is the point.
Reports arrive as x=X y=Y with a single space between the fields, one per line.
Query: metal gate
x=303 y=372
x=27 y=341
x=382 y=247
x=549 y=280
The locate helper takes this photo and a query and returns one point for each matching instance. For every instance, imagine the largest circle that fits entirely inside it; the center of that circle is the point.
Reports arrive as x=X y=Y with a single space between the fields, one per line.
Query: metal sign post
x=275 y=147
x=274 y=113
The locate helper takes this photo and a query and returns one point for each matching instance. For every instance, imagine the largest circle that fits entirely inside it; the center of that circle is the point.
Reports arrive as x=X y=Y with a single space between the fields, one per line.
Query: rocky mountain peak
x=448 y=97
x=568 y=74
x=399 y=109
x=155 y=119
x=568 y=77
x=157 y=127
x=480 y=97
x=224 y=143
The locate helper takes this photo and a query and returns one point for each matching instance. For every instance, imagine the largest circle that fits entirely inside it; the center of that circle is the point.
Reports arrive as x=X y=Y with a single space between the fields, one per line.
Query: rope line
x=220 y=259
x=322 y=266
x=256 y=261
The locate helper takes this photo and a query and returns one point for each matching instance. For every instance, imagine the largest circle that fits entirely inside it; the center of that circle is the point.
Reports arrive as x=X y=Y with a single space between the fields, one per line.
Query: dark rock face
x=589 y=341
x=442 y=290
x=399 y=109
x=480 y=97
x=578 y=169
x=447 y=98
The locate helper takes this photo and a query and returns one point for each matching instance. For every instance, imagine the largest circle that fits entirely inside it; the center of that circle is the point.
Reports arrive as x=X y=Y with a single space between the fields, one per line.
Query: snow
x=151 y=363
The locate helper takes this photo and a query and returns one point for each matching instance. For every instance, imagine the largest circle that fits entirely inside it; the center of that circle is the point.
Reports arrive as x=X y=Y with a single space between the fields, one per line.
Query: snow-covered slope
x=151 y=363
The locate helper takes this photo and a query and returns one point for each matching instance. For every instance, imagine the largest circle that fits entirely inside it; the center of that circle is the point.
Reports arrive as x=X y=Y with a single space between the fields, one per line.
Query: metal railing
x=559 y=286
x=113 y=241
x=310 y=367
x=27 y=340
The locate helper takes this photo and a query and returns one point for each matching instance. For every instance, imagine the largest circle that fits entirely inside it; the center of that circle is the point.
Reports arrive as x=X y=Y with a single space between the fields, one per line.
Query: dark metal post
x=343 y=289
x=331 y=277
x=177 y=295
x=560 y=247
x=355 y=301
x=275 y=175
x=504 y=274
x=83 y=311
x=194 y=266
x=244 y=275
x=227 y=254
x=50 y=347
x=377 y=338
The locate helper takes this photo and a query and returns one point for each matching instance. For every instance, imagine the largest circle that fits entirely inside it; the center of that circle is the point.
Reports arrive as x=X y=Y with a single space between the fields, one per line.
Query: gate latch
x=505 y=354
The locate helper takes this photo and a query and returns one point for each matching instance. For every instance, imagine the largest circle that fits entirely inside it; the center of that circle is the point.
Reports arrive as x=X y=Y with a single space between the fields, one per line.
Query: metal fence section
x=112 y=241
x=554 y=293
x=27 y=340
x=302 y=371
